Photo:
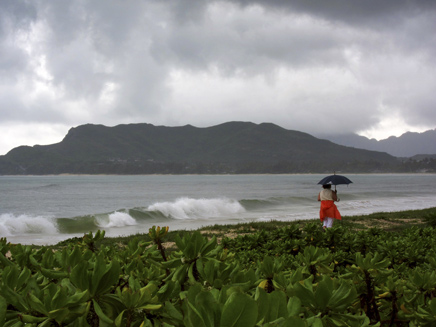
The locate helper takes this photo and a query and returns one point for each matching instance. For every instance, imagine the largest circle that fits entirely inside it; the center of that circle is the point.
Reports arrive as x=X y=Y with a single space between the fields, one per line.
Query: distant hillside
x=406 y=145
x=234 y=147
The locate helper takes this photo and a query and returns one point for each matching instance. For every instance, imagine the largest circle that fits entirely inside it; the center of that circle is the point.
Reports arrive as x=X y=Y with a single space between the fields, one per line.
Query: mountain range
x=233 y=147
x=407 y=145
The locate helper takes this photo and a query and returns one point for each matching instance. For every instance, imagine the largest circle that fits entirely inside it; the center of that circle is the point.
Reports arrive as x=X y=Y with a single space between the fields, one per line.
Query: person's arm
x=334 y=195
x=319 y=196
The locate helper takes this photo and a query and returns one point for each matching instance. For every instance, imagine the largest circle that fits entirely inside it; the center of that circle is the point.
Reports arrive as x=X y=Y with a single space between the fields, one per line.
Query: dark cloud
x=17 y=14
x=305 y=65
x=369 y=12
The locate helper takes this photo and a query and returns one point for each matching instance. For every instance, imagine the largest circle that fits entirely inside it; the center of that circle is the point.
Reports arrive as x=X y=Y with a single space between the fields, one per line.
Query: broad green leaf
x=209 y=246
x=322 y=294
x=150 y=307
x=317 y=322
x=126 y=297
x=79 y=276
x=148 y=292
x=17 y=323
x=60 y=298
x=349 y=317
x=331 y=321
x=199 y=242
x=193 y=291
x=209 y=308
x=179 y=242
x=10 y=276
x=169 y=290
x=109 y=278
x=199 y=264
x=32 y=320
x=75 y=257
x=24 y=277
x=432 y=306
x=180 y=274
x=79 y=297
x=343 y=297
x=119 y=319
x=101 y=314
x=305 y=295
x=294 y=306
x=5 y=262
x=294 y=322
x=54 y=274
x=3 y=306
x=172 y=311
x=277 y=306
x=36 y=304
x=14 y=298
x=100 y=270
x=240 y=310
x=189 y=251
x=173 y=263
x=59 y=314
x=194 y=316
x=267 y=267
x=262 y=301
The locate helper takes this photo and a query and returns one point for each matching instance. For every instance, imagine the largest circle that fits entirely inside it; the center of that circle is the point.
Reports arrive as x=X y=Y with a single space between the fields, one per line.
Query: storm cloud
x=320 y=67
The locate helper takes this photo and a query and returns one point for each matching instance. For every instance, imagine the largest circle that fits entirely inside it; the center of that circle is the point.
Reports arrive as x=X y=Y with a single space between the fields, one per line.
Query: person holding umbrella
x=328 y=211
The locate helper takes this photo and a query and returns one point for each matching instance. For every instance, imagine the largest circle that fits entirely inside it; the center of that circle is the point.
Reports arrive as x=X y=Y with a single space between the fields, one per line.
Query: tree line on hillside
x=283 y=167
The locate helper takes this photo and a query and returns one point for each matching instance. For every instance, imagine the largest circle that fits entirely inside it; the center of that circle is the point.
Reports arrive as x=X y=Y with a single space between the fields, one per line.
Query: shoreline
x=227 y=174
x=391 y=221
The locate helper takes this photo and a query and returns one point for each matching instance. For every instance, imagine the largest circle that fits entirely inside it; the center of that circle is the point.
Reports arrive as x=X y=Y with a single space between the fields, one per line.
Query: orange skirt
x=329 y=209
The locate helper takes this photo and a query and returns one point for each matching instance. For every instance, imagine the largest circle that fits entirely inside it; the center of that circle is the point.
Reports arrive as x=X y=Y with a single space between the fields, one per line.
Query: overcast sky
x=337 y=66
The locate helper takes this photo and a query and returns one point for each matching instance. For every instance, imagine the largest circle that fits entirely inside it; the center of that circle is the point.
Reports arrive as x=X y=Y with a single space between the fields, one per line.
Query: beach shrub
x=430 y=219
x=289 y=276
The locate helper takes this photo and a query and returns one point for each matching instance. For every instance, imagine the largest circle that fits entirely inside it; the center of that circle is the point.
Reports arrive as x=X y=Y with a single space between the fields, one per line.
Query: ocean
x=44 y=210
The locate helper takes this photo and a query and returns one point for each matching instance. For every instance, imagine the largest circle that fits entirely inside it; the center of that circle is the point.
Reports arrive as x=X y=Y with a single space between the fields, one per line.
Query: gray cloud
x=315 y=66
x=371 y=13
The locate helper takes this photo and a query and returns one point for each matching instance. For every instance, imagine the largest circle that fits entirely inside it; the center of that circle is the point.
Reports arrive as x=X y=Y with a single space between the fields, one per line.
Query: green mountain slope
x=234 y=147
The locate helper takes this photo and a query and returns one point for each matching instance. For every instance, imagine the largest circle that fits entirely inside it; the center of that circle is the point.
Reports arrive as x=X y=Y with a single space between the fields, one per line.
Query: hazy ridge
x=409 y=144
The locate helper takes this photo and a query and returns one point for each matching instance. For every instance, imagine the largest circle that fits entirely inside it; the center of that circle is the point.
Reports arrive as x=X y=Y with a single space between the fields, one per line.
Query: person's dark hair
x=327 y=186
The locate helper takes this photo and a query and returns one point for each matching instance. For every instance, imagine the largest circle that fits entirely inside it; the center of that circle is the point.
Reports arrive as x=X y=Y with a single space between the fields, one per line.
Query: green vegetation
x=270 y=274
x=390 y=221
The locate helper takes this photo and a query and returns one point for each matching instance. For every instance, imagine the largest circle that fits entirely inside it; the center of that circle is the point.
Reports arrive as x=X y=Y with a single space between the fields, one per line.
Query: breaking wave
x=25 y=224
x=185 y=208
x=116 y=219
x=180 y=209
x=188 y=208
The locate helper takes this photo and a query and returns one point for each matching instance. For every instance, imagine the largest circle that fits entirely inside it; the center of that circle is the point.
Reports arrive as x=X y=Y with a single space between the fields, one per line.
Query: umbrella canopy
x=334 y=180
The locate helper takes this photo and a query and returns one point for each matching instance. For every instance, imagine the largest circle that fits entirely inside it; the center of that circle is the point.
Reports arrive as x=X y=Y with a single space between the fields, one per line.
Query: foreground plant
x=156 y=235
x=326 y=282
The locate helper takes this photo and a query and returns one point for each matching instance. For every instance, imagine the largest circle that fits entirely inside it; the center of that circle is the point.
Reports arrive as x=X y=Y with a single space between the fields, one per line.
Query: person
x=328 y=211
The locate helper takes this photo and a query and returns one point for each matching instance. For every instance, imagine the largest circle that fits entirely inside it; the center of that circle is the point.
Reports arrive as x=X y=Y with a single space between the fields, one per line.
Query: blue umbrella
x=335 y=180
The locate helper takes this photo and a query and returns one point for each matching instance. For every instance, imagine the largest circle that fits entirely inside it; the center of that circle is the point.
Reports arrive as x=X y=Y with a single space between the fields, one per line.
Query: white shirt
x=326 y=194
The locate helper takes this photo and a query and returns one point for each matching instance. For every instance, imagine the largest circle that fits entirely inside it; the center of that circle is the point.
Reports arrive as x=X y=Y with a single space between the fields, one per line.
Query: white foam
x=116 y=219
x=357 y=207
x=188 y=208
x=22 y=224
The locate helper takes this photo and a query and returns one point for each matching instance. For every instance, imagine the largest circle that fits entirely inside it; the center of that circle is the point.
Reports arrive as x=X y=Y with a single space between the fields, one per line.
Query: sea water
x=48 y=209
